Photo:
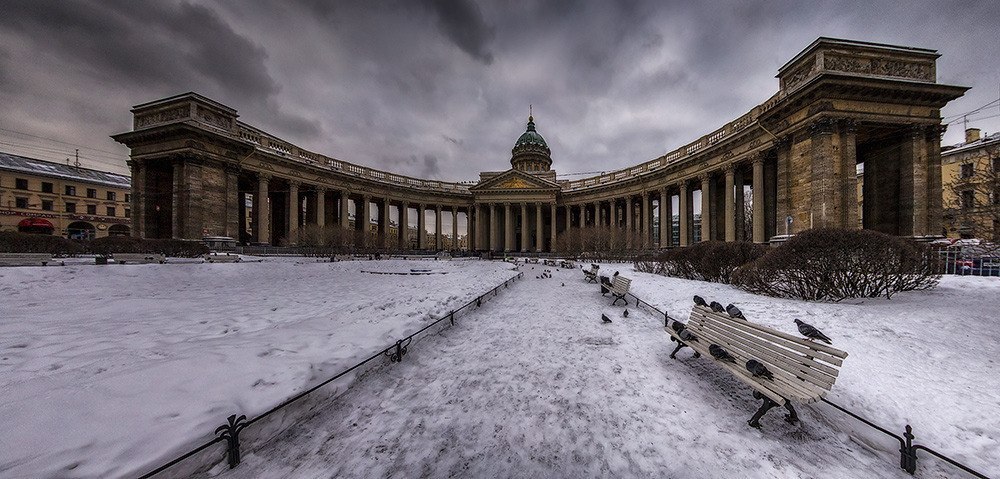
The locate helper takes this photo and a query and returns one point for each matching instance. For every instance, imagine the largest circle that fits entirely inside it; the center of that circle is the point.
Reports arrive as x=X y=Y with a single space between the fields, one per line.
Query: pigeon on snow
x=759 y=370
x=625 y=313
x=699 y=301
x=717 y=307
x=605 y=318
x=811 y=332
x=720 y=354
x=735 y=312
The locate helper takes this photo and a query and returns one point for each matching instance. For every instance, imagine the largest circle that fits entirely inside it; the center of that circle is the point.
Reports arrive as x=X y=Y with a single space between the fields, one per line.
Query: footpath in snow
x=535 y=385
x=109 y=371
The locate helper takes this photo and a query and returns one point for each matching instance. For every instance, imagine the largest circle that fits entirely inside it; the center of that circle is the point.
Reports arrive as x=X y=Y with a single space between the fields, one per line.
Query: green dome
x=530 y=137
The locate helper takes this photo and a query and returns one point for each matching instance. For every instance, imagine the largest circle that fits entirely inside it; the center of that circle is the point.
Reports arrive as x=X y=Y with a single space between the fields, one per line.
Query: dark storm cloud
x=441 y=88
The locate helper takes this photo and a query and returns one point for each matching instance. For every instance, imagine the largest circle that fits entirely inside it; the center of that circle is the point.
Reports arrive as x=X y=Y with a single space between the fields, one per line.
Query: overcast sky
x=440 y=89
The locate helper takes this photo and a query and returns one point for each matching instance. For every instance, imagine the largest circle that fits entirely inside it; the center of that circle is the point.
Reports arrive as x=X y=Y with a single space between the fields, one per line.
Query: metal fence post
x=908 y=456
x=231 y=433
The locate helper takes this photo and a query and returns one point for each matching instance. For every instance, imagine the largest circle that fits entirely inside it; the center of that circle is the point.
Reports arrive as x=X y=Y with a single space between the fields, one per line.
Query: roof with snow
x=972 y=145
x=9 y=162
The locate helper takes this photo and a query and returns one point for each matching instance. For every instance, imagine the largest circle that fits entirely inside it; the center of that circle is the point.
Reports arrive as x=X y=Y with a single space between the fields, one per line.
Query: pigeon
x=735 y=312
x=677 y=326
x=759 y=370
x=720 y=354
x=811 y=332
x=687 y=335
x=605 y=318
x=564 y=284
x=625 y=313
x=699 y=301
x=717 y=307
x=616 y=274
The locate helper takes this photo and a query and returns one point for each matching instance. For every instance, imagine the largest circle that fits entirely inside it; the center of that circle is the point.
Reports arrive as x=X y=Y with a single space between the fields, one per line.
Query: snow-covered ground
x=106 y=371
x=109 y=371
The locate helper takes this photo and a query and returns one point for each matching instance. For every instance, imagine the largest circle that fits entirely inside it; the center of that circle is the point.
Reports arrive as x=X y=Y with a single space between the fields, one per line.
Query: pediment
x=515 y=180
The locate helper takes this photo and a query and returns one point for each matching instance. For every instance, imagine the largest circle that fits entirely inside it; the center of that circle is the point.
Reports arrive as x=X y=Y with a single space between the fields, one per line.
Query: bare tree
x=974 y=205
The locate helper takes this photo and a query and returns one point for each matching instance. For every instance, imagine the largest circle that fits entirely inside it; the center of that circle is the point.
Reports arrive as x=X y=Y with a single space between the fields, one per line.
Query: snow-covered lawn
x=110 y=371
x=107 y=371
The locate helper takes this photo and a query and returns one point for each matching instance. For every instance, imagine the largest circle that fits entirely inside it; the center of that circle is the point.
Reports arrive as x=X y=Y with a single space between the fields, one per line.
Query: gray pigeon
x=735 y=312
x=759 y=370
x=605 y=318
x=717 y=307
x=811 y=332
x=625 y=313
x=699 y=301
x=677 y=326
x=687 y=335
x=720 y=354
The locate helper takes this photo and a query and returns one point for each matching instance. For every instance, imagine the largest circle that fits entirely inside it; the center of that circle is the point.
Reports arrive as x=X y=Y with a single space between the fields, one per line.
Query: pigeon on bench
x=685 y=335
x=759 y=370
x=810 y=332
x=699 y=301
x=688 y=336
x=605 y=318
x=735 y=312
x=720 y=354
x=717 y=307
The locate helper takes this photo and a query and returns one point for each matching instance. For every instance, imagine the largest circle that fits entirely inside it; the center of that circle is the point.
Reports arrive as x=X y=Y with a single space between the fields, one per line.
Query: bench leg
x=764 y=408
x=678 y=348
x=619 y=298
x=791 y=417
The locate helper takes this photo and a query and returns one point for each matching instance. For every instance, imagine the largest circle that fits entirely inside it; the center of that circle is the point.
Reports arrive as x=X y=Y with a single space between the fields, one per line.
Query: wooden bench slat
x=821 y=352
x=794 y=339
x=797 y=357
x=783 y=383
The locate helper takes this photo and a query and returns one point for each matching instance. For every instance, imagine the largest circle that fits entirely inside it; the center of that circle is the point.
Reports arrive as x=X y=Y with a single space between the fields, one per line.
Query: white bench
x=567 y=264
x=591 y=274
x=138 y=258
x=222 y=258
x=802 y=371
x=25 y=259
x=619 y=289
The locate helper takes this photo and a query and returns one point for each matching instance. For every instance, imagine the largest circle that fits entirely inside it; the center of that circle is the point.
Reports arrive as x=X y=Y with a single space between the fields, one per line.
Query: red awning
x=35 y=222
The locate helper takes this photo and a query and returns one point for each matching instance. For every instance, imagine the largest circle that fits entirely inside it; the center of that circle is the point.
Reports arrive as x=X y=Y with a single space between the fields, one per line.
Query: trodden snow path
x=535 y=385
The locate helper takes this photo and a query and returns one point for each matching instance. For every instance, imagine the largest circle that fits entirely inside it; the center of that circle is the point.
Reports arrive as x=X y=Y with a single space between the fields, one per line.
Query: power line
x=115 y=154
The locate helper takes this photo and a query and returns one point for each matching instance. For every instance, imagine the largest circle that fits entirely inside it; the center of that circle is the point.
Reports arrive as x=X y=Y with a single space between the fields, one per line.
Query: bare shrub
x=708 y=261
x=16 y=242
x=829 y=264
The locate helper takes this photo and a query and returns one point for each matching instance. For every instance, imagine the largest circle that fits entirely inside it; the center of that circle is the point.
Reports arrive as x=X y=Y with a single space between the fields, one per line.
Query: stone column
x=825 y=198
x=366 y=219
x=758 y=199
x=421 y=227
x=913 y=184
x=438 y=239
x=539 y=234
x=849 y=176
x=321 y=207
x=628 y=216
x=262 y=207
x=294 y=208
x=345 y=221
x=783 y=203
x=647 y=221
x=552 y=226
x=383 y=223
x=404 y=226
x=508 y=243
x=730 y=203
x=665 y=218
x=177 y=201
x=454 y=228
x=569 y=218
x=934 y=201
x=138 y=190
x=706 y=215
x=684 y=214
x=524 y=228
x=494 y=227
x=231 y=219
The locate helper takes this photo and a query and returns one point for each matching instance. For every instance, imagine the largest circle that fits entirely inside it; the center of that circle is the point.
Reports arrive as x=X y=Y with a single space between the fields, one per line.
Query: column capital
x=320 y=189
x=850 y=125
x=703 y=177
x=821 y=126
x=757 y=158
x=729 y=169
x=294 y=183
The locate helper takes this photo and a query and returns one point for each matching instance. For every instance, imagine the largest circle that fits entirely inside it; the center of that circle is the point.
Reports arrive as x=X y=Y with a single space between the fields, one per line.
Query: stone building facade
x=840 y=103
x=971 y=176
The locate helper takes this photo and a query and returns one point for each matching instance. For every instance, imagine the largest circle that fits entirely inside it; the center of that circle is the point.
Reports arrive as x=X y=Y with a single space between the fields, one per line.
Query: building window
x=996 y=165
x=21 y=183
x=71 y=207
x=91 y=209
x=47 y=205
x=967 y=170
x=128 y=197
x=21 y=202
x=968 y=199
x=111 y=211
x=46 y=187
x=128 y=213
x=91 y=193
x=111 y=196
x=70 y=190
